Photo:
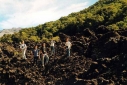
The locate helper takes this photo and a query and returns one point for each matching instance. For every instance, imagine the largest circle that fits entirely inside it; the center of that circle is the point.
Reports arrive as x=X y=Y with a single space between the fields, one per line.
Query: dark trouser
x=45 y=56
x=35 y=59
x=52 y=50
x=68 y=52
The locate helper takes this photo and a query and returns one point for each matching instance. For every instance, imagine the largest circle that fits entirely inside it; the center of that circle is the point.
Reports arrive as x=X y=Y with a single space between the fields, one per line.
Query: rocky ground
x=98 y=57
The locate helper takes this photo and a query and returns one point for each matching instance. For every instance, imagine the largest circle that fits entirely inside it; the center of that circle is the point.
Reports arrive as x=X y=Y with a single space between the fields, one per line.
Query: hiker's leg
x=42 y=60
x=24 y=54
x=51 y=50
x=34 y=60
x=47 y=59
x=68 y=52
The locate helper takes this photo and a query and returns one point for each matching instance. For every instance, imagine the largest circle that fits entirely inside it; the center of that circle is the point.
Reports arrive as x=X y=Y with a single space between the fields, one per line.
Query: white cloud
x=29 y=19
x=27 y=13
x=74 y=8
x=77 y=7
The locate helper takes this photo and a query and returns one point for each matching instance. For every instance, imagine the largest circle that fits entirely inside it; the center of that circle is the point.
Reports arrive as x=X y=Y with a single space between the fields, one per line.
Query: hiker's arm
x=39 y=55
x=25 y=47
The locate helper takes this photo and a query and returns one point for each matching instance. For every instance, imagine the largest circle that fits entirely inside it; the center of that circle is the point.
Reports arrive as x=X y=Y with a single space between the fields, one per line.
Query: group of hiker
x=42 y=52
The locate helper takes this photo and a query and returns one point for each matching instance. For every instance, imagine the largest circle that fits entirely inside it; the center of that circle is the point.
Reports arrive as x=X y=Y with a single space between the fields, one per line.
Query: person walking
x=44 y=55
x=36 y=55
x=68 y=47
x=52 y=45
x=23 y=48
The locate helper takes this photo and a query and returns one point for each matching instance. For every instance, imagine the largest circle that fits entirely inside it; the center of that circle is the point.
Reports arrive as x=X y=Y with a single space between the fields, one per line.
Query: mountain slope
x=94 y=60
x=110 y=13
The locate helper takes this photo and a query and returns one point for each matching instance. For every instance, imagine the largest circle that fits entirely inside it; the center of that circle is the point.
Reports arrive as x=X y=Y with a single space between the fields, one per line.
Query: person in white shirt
x=23 y=48
x=68 y=45
x=52 y=45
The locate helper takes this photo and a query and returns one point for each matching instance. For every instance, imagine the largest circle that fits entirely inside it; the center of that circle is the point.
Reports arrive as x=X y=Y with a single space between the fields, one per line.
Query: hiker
x=68 y=46
x=44 y=54
x=23 y=48
x=36 y=54
x=52 y=45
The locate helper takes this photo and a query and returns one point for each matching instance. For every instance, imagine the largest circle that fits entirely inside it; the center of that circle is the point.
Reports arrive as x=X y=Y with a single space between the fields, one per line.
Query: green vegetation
x=110 y=13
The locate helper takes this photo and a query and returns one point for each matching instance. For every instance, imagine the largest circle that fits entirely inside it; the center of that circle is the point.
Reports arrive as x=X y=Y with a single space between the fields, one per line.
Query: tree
x=34 y=38
x=113 y=27
x=6 y=38
x=23 y=35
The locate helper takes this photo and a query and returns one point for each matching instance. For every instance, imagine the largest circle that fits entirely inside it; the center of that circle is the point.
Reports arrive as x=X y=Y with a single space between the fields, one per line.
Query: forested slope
x=110 y=13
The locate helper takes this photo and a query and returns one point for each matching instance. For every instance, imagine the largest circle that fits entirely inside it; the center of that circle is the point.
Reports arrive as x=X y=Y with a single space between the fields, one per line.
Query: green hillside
x=110 y=13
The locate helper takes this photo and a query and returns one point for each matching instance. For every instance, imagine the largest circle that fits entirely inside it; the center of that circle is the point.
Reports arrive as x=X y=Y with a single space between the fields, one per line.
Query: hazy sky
x=28 y=13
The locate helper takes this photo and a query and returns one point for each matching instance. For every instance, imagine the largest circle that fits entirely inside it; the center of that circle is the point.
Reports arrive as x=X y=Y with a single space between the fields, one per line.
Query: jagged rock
x=101 y=30
x=97 y=58
x=63 y=37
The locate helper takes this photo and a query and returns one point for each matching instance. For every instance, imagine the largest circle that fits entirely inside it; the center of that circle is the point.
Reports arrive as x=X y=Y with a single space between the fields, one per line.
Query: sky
x=30 y=13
